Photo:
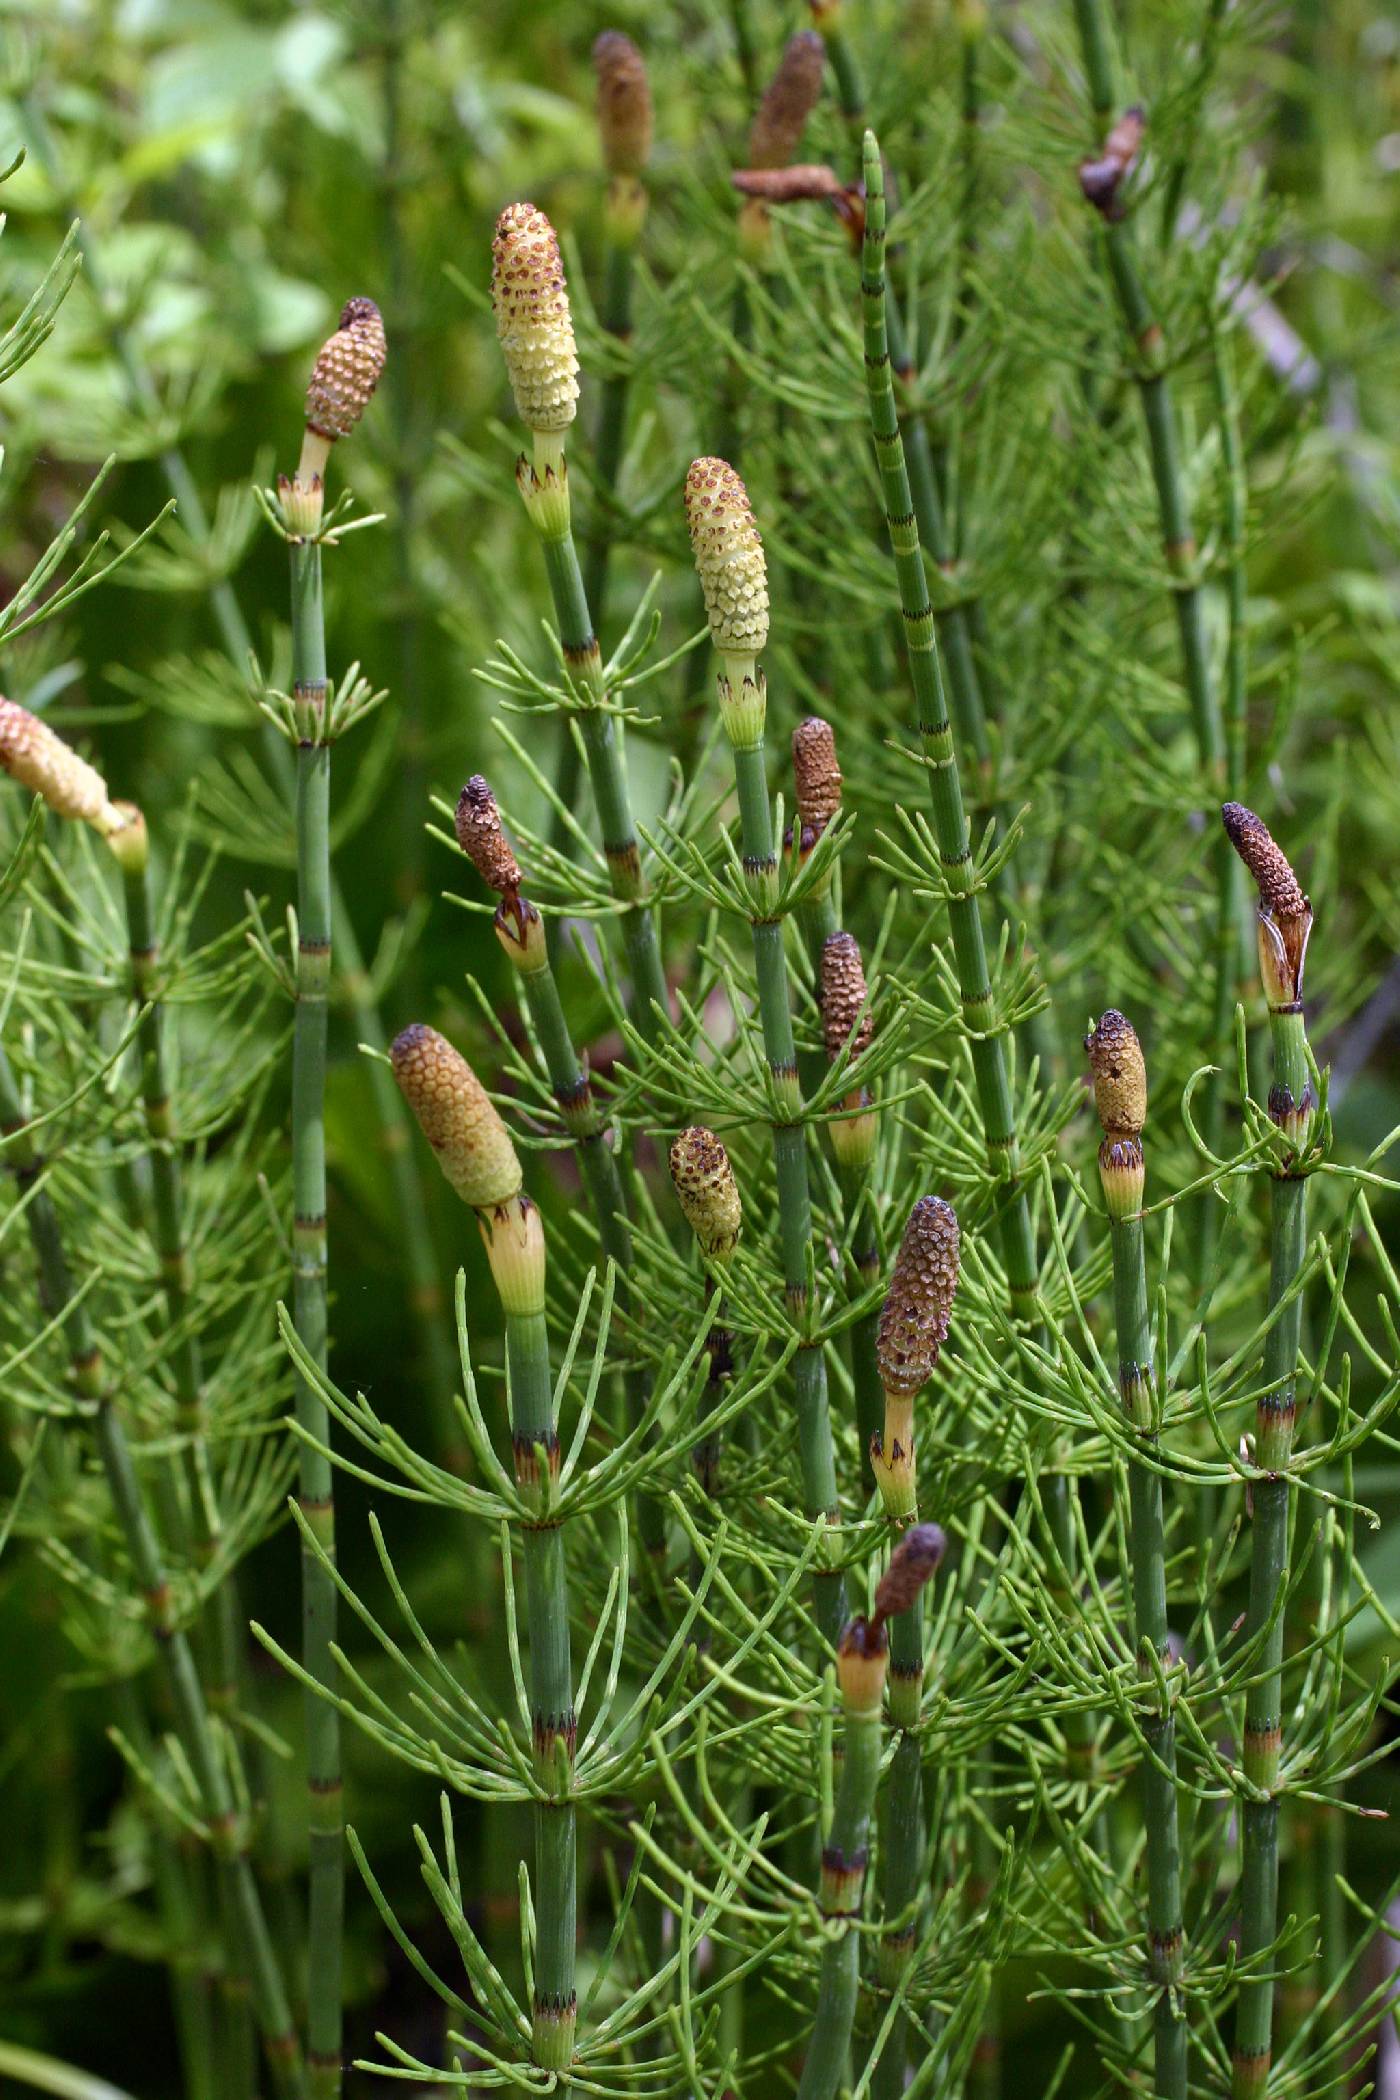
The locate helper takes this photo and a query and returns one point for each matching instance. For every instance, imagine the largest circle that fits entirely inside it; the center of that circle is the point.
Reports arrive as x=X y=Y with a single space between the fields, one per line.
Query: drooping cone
x=39 y=760
x=533 y=321
x=346 y=371
x=919 y=1303
x=707 y=1192
x=624 y=103
x=729 y=557
x=457 y=1117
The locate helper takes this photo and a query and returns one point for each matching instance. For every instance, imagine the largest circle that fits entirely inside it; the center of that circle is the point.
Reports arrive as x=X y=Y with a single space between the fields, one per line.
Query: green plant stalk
x=819 y=920
x=199 y=1526
x=985 y=1034
x=1147 y=1556
x=607 y=772
x=615 y=314
x=194 y=1723
x=175 y=1894
x=815 y=1452
x=841 y=1891
x=589 y=1128
x=391 y=1117
x=1272 y=1494
x=1179 y=546
x=551 y=1701
x=325 y=1813
x=902 y=1842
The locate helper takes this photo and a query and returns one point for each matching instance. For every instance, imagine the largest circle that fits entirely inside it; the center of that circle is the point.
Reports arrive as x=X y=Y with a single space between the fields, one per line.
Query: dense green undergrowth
x=1070 y=504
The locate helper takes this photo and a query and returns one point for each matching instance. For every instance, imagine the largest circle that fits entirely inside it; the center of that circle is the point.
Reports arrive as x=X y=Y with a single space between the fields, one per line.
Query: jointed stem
x=316 y=1487
x=573 y=1090
x=615 y=314
x=551 y=1700
x=607 y=771
x=195 y=1726
x=1272 y=1494
x=842 y=1886
x=419 y=1258
x=1147 y=1554
x=815 y=1450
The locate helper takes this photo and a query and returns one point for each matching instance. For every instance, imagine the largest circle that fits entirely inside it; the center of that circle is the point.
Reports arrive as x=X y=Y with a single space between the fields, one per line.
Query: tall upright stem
x=419 y=1257
x=615 y=313
x=316 y=1485
x=607 y=771
x=593 y=1141
x=1152 y=377
x=815 y=1452
x=1147 y=1559
x=227 y=1837
x=841 y=1893
x=551 y=1699
x=1264 y=1624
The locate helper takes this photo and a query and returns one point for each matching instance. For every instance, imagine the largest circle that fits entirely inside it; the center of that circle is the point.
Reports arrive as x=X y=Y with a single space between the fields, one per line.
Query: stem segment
x=316 y=1486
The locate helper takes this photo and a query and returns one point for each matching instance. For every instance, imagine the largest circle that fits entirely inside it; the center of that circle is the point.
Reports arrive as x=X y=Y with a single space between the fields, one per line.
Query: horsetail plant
x=1120 y=1097
x=31 y=753
x=536 y=333
x=848 y=1029
x=708 y=1194
x=625 y=127
x=913 y=1326
x=475 y=1152
x=521 y=933
x=343 y=380
x=862 y=1662
x=1284 y=924
x=733 y=578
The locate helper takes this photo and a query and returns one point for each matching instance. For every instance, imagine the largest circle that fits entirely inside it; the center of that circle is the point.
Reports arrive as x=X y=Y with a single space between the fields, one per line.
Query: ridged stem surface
x=391 y=1116
x=615 y=313
x=598 y=1166
x=1147 y=1558
x=551 y=1705
x=815 y=1453
x=842 y=1888
x=1268 y=1573
x=193 y=1721
x=316 y=1482
x=902 y=1842
x=612 y=797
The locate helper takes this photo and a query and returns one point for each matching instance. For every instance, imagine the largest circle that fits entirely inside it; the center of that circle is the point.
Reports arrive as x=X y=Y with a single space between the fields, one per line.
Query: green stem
x=902 y=1843
x=192 y=1717
x=816 y=1455
x=391 y=1114
x=551 y=1703
x=612 y=797
x=615 y=314
x=316 y=1485
x=1268 y=1575
x=593 y=1140
x=985 y=1029
x=842 y=1889
x=1147 y=1560
x=190 y=1981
